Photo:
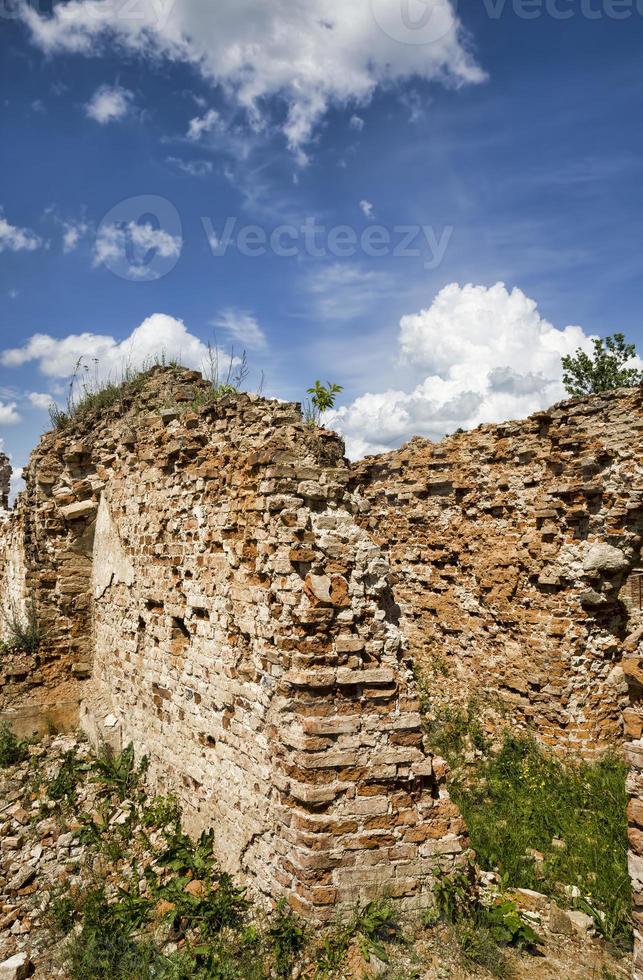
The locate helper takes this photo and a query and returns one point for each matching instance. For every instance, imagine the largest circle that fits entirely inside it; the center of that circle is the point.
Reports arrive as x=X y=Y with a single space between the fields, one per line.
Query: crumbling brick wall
x=204 y=584
x=5 y=481
x=509 y=546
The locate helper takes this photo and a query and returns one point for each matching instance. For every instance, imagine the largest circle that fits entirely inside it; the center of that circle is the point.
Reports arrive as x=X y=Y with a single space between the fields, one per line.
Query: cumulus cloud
x=40 y=400
x=109 y=103
x=242 y=327
x=9 y=413
x=14 y=239
x=488 y=355
x=102 y=354
x=308 y=55
x=367 y=209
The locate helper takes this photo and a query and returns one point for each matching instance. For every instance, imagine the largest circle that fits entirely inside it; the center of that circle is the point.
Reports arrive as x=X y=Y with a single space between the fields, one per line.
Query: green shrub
x=12 y=749
x=605 y=369
x=322 y=399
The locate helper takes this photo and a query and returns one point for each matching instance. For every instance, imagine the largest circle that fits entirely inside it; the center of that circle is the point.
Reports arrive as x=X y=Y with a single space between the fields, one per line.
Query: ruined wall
x=205 y=586
x=509 y=546
x=5 y=481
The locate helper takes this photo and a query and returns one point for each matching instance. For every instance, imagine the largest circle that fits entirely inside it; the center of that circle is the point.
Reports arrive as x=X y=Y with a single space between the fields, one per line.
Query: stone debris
x=15 y=968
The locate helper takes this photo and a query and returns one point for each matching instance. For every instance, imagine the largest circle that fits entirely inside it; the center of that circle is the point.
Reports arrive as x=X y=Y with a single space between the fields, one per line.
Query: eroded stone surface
x=509 y=546
x=204 y=570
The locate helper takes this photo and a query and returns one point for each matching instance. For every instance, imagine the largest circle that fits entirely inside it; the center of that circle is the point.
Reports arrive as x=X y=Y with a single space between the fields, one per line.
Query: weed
x=12 y=749
x=287 y=936
x=524 y=800
x=63 y=787
x=105 y=948
x=89 y=393
x=162 y=812
x=451 y=731
x=479 y=947
x=480 y=930
x=23 y=630
x=371 y=925
x=118 y=771
x=224 y=380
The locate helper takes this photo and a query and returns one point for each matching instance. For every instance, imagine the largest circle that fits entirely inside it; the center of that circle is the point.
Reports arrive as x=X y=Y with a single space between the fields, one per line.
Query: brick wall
x=509 y=546
x=204 y=584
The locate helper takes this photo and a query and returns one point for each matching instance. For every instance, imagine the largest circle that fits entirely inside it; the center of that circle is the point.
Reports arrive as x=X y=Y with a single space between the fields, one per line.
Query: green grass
x=88 y=396
x=523 y=799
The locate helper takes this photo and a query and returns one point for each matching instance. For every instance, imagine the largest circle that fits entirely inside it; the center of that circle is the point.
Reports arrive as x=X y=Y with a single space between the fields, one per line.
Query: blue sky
x=497 y=149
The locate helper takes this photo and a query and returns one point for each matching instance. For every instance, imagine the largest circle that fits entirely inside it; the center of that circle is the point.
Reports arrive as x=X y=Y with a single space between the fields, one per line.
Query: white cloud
x=14 y=239
x=17 y=482
x=40 y=400
x=73 y=231
x=356 y=122
x=9 y=413
x=158 y=335
x=487 y=355
x=109 y=103
x=307 y=55
x=203 y=124
x=242 y=327
x=130 y=245
x=367 y=209
x=193 y=168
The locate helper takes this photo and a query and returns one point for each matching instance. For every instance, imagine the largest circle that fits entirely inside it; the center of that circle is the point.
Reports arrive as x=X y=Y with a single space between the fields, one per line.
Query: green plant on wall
x=22 y=630
x=605 y=369
x=322 y=398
